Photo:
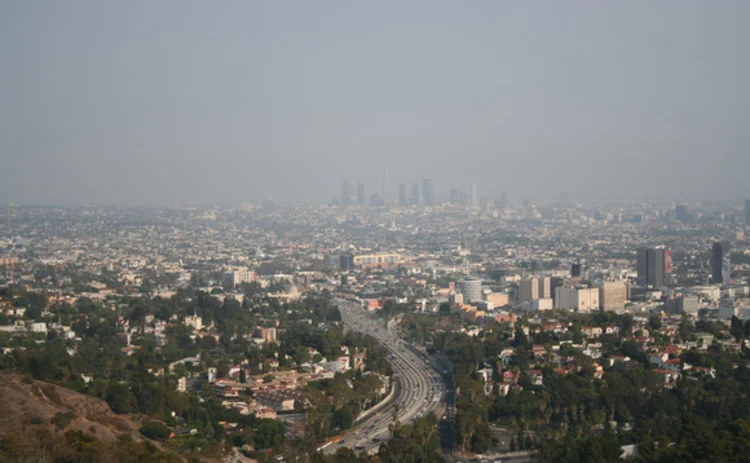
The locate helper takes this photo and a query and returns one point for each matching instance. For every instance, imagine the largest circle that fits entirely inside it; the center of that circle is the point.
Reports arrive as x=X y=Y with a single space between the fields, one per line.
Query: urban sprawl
x=376 y=329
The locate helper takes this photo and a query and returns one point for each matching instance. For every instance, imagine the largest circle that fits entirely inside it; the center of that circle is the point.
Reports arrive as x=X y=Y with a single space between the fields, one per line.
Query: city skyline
x=285 y=100
x=374 y=232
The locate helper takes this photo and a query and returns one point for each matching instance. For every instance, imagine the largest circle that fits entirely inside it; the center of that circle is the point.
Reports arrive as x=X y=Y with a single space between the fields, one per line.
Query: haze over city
x=139 y=103
x=374 y=231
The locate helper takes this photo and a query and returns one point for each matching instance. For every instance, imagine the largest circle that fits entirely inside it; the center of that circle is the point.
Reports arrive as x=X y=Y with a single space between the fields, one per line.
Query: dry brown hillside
x=25 y=404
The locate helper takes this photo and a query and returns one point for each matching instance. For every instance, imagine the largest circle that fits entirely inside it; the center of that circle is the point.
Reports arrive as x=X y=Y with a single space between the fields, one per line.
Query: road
x=447 y=428
x=420 y=388
x=514 y=457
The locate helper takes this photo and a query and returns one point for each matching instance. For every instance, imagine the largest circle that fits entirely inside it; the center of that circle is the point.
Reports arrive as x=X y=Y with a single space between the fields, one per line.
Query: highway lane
x=420 y=387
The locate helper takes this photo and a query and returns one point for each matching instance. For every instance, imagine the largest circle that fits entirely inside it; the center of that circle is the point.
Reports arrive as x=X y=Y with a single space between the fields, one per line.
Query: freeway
x=420 y=388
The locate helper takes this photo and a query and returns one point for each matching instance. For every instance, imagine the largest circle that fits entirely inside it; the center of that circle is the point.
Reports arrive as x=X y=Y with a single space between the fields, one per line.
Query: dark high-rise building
x=346 y=262
x=428 y=192
x=575 y=270
x=415 y=194
x=721 y=263
x=681 y=213
x=747 y=212
x=554 y=283
x=361 y=194
x=402 y=195
x=347 y=193
x=654 y=266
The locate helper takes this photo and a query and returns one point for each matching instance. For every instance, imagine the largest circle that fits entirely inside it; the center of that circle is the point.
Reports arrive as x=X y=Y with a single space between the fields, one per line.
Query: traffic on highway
x=420 y=389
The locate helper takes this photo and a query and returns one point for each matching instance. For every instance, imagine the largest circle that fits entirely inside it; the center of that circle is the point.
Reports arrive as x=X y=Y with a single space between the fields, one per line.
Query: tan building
x=238 y=277
x=545 y=285
x=579 y=299
x=612 y=295
x=588 y=299
x=528 y=290
x=498 y=299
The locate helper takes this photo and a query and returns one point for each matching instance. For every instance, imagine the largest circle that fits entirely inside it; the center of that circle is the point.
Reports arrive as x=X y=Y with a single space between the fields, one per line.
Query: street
x=420 y=387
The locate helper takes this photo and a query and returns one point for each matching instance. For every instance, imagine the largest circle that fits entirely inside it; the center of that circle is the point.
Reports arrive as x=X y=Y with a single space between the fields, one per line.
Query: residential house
x=658 y=358
x=612 y=330
x=670 y=377
x=593 y=350
x=671 y=365
x=539 y=351
x=592 y=332
x=510 y=377
x=704 y=340
x=598 y=371
x=503 y=388
x=506 y=355
x=536 y=376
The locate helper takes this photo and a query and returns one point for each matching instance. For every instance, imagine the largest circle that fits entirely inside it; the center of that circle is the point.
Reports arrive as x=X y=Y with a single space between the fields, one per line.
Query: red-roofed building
x=510 y=377
x=672 y=365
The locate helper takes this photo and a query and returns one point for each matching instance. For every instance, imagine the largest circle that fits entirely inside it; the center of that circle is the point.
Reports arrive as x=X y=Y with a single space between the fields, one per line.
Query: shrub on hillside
x=61 y=420
x=155 y=430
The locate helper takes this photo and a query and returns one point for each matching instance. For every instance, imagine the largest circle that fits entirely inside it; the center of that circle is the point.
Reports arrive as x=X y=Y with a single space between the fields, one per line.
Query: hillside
x=27 y=404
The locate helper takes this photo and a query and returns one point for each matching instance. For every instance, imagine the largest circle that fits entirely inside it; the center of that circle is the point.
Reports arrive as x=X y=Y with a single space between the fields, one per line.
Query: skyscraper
x=347 y=193
x=346 y=262
x=457 y=197
x=402 y=195
x=654 y=265
x=415 y=194
x=612 y=295
x=528 y=290
x=721 y=263
x=361 y=193
x=428 y=192
x=681 y=213
x=386 y=189
x=545 y=287
x=747 y=212
x=474 y=196
x=504 y=200
x=554 y=283
x=575 y=270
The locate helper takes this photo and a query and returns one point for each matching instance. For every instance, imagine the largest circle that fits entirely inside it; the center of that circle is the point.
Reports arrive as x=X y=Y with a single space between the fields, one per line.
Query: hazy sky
x=138 y=102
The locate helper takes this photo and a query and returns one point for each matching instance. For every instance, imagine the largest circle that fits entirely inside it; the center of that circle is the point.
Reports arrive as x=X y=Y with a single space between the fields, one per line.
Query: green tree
x=270 y=434
x=342 y=418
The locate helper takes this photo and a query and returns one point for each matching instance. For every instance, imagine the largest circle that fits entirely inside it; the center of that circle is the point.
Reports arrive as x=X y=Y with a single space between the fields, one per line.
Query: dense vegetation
x=578 y=417
x=135 y=384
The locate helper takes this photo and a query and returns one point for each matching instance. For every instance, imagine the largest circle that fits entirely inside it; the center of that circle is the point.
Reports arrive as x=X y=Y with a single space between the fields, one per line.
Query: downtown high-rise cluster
x=352 y=195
